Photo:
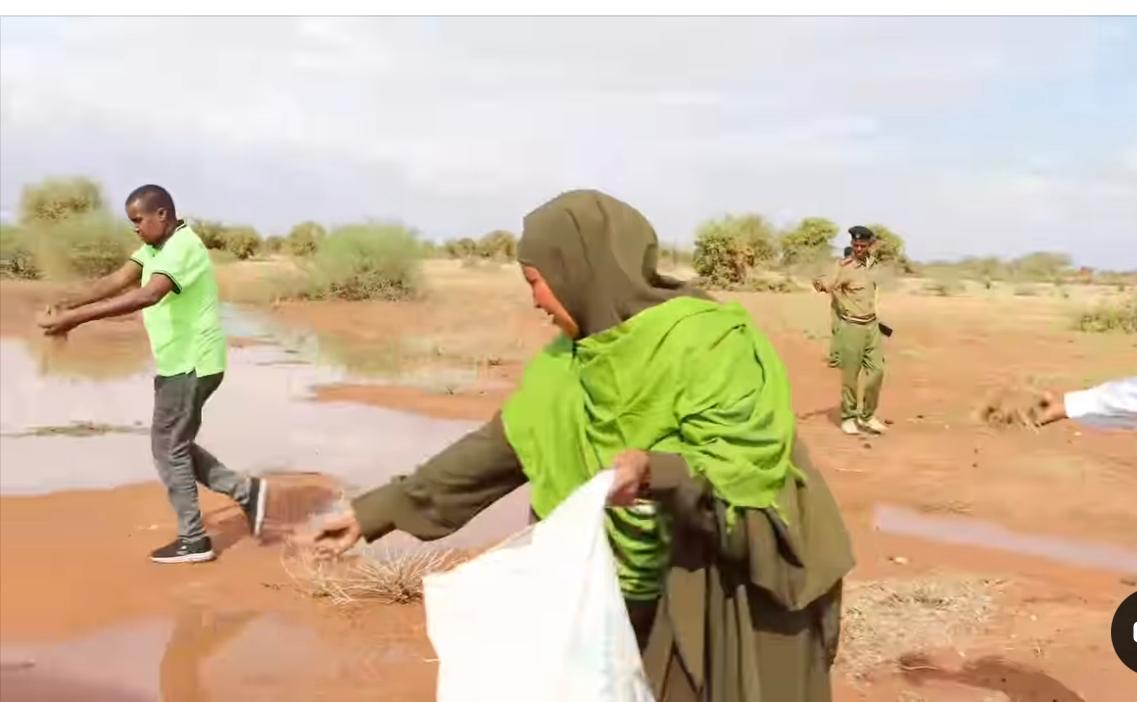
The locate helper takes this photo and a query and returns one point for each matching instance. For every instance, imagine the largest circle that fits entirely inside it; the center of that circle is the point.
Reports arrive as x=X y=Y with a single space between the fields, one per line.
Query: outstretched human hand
x=332 y=536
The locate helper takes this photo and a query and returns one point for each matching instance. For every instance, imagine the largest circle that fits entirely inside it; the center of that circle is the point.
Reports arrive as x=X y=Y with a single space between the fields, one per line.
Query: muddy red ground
x=74 y=567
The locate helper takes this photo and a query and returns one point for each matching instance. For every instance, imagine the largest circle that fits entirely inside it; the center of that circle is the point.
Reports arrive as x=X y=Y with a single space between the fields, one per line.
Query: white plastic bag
x=539 y=617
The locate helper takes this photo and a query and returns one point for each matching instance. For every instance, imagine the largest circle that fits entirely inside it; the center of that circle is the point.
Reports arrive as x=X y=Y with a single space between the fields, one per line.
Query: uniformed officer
x=858 y=337
x=834 y=318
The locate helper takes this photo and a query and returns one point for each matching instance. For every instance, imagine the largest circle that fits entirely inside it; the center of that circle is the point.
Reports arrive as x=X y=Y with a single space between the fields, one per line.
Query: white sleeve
x=1112 y=404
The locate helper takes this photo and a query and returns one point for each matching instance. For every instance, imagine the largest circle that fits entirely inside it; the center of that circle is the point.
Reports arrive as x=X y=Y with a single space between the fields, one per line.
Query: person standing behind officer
x=834 y=318
x=858 y=338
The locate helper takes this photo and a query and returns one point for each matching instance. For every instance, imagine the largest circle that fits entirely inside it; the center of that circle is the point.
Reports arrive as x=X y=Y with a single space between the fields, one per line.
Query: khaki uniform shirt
x=853 y=285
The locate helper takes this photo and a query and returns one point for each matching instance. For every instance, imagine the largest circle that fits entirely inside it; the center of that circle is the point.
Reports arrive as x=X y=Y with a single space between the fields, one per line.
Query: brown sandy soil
x=1049 y=637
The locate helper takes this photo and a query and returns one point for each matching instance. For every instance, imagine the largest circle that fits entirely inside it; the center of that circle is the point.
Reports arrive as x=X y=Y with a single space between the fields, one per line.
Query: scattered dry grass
x=81 y=429
x=386 y=577
x=887 y=620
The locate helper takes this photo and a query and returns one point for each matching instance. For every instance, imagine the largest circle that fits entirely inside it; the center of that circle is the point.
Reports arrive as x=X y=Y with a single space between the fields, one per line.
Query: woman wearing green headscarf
x=730 y=549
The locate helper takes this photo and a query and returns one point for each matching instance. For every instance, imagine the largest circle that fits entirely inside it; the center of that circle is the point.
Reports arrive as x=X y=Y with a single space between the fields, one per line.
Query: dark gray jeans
x=181 y=463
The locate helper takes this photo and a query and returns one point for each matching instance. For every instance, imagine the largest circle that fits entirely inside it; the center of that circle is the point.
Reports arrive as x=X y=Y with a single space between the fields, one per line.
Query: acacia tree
x=889 y=247
x=56 y=199
x=304 y=239
x=727 y=249
x=808 y=241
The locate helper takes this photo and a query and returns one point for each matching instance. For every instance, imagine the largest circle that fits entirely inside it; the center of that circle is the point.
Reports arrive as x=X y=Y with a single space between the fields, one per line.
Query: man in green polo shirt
x=171 y=279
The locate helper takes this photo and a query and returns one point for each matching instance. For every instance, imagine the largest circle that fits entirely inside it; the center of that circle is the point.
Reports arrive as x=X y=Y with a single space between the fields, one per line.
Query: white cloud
x=462 y=125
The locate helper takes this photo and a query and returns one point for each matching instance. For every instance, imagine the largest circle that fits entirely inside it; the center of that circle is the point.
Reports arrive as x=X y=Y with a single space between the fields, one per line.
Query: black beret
x=860 y=233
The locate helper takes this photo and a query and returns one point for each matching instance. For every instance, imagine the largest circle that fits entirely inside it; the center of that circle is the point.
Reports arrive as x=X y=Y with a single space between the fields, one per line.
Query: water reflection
x=108 y=359
x=197 y=635
x=202 y=654
x=122 y=353
x=408 y=360
x=261 y=420
x=975 y=532
x=64 y=431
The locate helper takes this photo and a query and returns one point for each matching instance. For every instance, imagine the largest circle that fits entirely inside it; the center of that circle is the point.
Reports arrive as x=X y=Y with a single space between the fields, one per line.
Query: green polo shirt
x=185 y=326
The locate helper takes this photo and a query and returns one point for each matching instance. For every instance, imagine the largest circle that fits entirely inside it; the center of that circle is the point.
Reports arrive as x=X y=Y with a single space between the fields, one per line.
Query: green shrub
x=727 y=249
x=461 y=248
x=211 y=233
x=87 y=246
x=304 y=239
x=807 y=242
x=56 y=199
x=499 y=245
x=242 y=242
x=1118 y=316
x=17 y=258
x=364 y=262
x=1041 y=267
x=889 y=248
x=273 y=244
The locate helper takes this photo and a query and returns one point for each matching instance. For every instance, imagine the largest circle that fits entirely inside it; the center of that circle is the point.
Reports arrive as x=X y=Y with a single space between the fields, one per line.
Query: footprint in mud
x=992 y=673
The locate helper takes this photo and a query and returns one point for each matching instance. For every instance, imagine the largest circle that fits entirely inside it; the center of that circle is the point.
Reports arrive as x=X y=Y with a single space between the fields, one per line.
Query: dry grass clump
x=386 y=577
x=1117 y=316
x=887 y=620
x=1012 y=406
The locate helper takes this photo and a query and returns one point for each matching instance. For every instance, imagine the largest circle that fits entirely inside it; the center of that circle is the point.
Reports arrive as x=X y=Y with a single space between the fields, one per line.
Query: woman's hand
x=632 y=474
x=333 y=536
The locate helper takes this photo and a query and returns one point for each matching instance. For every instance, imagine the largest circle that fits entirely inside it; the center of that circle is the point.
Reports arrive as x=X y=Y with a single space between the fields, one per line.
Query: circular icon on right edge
x=1124 y=632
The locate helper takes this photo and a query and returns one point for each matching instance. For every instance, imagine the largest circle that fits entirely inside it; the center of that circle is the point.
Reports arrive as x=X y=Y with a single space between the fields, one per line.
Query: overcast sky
x=967 y=136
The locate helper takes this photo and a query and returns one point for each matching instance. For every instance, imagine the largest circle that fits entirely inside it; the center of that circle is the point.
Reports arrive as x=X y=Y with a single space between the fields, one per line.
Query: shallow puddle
x=975 y=532
x=261 y=420
x=199 y=654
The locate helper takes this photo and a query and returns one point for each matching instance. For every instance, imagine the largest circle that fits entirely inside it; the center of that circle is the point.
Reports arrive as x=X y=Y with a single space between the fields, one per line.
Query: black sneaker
x=255 y=508
x=182 y=551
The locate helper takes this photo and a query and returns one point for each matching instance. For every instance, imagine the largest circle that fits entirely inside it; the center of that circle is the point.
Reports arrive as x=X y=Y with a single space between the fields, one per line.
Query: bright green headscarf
x=658 y=367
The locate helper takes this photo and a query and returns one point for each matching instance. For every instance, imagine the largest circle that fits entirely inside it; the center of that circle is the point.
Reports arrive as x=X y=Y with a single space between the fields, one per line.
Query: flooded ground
x=200 y=651
x=329 y=398
x=986 y=535
x=66 y=432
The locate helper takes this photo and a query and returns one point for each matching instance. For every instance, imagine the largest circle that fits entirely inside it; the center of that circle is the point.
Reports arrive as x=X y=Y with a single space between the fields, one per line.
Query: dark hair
x=152 y=198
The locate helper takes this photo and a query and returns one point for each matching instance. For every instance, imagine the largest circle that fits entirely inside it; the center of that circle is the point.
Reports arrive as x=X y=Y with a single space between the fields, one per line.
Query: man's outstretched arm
x=130 y=273
x=1109 y=405
x=55 y=323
